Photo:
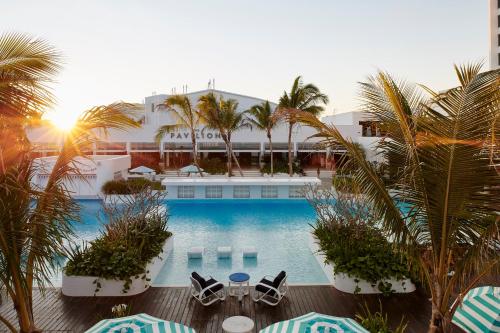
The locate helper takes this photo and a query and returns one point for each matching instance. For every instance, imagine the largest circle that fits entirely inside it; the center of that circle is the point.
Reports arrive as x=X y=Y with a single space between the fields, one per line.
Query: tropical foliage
x=377 y=322
x=263 y=118
x=222 y=115
x=129 y=186
x=213 y=166
x=348 y=236
x=445 y=149
x=134 y=233
x=34 y=221
x=304 y=98
x=186 y=116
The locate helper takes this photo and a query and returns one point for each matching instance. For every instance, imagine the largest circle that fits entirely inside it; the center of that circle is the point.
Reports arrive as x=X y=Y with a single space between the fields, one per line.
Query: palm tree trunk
x=290 y=159
x=237 y=163
x=438 y=322
x=271 y=152
x=195 y=153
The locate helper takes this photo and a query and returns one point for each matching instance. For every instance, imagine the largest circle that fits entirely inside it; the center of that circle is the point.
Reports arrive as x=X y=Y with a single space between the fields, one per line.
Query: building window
x=498 y=40
x=184 y=192
x=268 y=191
x=213 y=192
x=296 y=191
x=241 y=191
x=498 y=20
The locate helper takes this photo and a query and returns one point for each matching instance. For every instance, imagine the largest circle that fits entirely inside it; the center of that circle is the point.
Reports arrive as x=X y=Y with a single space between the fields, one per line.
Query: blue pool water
x=278 y=229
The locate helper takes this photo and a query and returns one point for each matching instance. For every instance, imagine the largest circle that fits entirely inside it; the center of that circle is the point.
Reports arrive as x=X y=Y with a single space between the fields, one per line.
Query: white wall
x=94 y=172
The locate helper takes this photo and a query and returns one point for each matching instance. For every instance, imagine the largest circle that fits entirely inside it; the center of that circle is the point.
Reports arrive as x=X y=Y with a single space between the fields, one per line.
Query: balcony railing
x=219 y=146
x=178 y=146
x=151 y=146
x=246 y=146
x=119 y=146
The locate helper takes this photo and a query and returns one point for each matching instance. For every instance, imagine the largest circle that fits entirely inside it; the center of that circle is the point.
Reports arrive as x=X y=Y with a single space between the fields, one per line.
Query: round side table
x=238 y=324
x=239 y=285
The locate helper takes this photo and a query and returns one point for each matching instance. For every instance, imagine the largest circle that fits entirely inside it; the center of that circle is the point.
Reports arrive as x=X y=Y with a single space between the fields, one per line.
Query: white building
x=250 y=145
x=494 y=34
x=93 y=173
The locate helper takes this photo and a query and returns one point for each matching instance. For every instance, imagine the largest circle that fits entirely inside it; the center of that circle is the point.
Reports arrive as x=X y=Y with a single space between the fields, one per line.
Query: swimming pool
x=278 y=229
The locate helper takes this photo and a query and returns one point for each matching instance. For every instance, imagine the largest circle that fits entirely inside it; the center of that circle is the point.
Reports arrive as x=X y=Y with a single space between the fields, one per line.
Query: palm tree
x=264 y=119
x=222 y=115
x=445 y=150
x=302 y=97
x=32 y=235
x=186 y=117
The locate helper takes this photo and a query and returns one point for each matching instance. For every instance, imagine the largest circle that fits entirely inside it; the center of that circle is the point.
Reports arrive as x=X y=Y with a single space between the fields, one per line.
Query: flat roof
x=231 y=181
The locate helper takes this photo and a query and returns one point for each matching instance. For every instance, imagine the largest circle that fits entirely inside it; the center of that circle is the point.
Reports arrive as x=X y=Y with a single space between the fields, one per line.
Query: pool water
x=278 y=229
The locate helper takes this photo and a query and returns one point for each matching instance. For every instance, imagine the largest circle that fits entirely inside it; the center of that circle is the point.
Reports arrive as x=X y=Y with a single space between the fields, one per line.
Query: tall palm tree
x=32 y=235
x=222 y=115
x=446 y=149
x=264 y=119
x=186 y=117
x=302 y=97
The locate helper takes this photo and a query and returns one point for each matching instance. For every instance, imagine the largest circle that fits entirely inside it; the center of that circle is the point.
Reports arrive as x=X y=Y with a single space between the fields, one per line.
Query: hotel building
x=250 y=145
x=494 y=34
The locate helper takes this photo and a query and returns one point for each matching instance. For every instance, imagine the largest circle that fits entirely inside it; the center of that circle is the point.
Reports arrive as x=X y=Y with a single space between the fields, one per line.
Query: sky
x=126 y=50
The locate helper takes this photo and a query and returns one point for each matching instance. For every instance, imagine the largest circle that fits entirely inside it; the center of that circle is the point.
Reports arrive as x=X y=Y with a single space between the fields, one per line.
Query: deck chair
x=271 y=290
x=206 y=291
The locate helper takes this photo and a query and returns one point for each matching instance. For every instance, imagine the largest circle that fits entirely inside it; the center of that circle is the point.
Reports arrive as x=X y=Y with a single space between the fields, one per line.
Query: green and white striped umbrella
x=479 y=311
x=315 y=323
x=140 y=323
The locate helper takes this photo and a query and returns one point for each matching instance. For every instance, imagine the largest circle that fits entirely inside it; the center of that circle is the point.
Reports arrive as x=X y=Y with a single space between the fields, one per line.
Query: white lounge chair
x=206 y=291
x=270 y=289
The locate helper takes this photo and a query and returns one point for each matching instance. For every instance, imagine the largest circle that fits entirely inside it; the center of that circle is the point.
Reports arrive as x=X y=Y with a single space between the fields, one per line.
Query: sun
x=62 y=121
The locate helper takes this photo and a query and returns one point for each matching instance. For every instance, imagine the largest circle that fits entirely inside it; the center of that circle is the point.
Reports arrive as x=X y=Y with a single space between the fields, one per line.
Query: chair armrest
x=269 y=276
x=271 y=288
x=211 y=286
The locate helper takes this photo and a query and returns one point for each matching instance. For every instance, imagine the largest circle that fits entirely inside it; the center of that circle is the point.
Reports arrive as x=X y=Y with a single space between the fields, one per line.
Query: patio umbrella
x=479 y=311
x=140 y=323
x=315 y=323
x=191 y=169
x=141 y=169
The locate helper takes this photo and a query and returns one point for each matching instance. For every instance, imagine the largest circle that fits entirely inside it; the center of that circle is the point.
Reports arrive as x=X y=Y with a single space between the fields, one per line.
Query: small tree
x=445 y=149
x=186 y=116
x=302 y=97
x=264 y=119
x=222 y=115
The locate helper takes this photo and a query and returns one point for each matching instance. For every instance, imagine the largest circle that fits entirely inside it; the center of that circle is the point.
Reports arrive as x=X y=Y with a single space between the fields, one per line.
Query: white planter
x=86 y=285
x=347 y=284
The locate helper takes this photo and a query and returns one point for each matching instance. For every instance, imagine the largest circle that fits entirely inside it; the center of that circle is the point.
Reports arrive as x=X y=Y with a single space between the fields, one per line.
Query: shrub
x=213 y=166
x=281 y=166
x=133 y=236
x=376 y=322
x=349 y=238
x=129 y=186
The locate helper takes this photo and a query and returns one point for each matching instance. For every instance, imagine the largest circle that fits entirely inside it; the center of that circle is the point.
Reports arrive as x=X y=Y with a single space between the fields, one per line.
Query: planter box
x=347 y=284
x=78 y=286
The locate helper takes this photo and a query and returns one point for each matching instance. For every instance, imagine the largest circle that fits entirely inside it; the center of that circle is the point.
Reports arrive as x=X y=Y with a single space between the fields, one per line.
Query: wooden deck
x=58 y=313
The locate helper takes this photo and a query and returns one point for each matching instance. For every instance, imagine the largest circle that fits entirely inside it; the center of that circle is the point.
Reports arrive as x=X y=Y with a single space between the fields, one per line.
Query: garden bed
x=80 y=286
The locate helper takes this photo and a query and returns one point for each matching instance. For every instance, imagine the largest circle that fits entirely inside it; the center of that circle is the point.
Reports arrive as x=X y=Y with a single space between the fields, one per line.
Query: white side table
x=239 y=285
x=238 y=324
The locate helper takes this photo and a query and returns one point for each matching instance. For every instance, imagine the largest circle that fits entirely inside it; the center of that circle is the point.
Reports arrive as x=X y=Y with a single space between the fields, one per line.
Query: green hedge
x=129 y=186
